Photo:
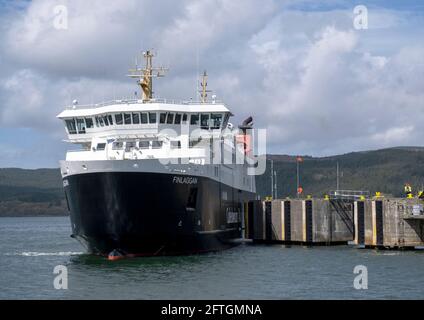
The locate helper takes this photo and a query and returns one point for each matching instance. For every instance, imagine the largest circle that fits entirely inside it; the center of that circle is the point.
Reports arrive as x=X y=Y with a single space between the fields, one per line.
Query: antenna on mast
x=204 y=84
x=145 y=75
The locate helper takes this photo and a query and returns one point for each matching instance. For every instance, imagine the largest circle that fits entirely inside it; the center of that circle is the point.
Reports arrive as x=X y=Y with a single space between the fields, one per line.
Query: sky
x=303 y=69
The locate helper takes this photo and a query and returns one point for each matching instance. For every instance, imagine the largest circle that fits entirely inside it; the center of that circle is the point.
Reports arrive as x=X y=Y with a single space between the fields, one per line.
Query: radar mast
x=204 y=84
x=145 y=75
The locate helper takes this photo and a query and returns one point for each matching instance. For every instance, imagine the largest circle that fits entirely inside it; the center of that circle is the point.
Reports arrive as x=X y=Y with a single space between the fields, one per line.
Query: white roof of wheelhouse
x=134 y=107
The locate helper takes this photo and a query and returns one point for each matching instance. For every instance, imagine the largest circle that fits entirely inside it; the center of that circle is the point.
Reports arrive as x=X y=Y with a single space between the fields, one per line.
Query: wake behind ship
x=156 y=177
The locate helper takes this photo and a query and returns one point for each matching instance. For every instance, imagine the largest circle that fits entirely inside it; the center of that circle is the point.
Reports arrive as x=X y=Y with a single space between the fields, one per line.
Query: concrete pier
x=302 y=221
x=389 y=223
x=374 y=223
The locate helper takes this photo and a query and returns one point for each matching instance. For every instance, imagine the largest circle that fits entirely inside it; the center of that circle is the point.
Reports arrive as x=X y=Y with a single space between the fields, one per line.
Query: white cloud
x=32 y=101
x=100 y=38
x=319 y=86
x=393 y=135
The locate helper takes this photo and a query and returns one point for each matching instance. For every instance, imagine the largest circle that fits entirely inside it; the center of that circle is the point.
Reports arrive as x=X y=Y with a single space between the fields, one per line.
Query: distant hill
x=31 y=192
x=384 y=170
x=39 y=192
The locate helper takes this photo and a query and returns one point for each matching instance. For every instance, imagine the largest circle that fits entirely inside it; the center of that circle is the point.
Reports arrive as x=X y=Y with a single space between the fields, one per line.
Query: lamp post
x=299 y=189
x=272 y=178
x=337 y=174
x=273 y=181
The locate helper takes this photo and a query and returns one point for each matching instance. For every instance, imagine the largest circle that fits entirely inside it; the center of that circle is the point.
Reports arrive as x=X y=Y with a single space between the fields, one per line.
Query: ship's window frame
x=97 y=121
x=144 y=144
x=175 y=144
x=80 y=122
x=127 y=118
x=118 y=121
x=144 y=119
x=130 y=145
x=117 y=145
x=225 y=121
x=135 y=118
x=89 y=122
x=105 y=120
x=101 y=146
x=170 y=118
x=177 y=119
x=110 y=118
x=153 y=117
x=204 y=123
x=162 y=117
x=102 y=124
x=214 y=119
x=194 y=142
x=185 y=117
x=193 y=121
x=157 y=144
x=69 y=123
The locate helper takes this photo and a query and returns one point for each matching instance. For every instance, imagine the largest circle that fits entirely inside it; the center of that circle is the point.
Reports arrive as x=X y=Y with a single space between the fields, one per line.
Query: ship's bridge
x=148 y=127
x=137 y=119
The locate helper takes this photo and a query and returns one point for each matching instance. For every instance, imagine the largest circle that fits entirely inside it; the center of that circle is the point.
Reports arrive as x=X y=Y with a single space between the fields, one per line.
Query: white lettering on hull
x=184 y=180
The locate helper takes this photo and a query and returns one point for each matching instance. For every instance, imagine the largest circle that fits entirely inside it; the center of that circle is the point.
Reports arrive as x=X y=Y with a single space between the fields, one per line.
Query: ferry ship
x=156 y=176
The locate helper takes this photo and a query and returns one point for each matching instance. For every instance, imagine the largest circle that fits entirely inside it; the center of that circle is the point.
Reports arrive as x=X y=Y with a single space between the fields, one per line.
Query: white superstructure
x=111 y=131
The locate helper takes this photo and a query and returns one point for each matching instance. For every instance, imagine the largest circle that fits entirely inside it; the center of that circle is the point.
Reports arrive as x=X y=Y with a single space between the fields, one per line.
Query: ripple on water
x=31 y=248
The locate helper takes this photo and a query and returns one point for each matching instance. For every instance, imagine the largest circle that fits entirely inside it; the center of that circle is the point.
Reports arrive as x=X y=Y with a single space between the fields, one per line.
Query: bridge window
x=157 y=144
x=110 y=119
x=81 y=125
x=170 y=119
x=144 y=118
x=70 y=124
x=136 y=118
x=216 y=120
x=89 y=123
x=106 y=121
x=118 y=118
x=117 y=145
x=99 y=121
x=101 y=146
x=127 y=118
x=184 y=117
x=152 y=117
x=162 y=118
x=204 y=121
x=129 y=145
x=177 y=118
x=194 y=120
x=144 y=144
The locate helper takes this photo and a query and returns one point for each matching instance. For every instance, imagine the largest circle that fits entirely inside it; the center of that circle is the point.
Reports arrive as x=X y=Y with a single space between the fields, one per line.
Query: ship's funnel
x=246 y=124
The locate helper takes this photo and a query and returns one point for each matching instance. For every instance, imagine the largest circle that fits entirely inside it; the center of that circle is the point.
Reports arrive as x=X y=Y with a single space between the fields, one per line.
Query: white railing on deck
x=84 y=155
x=349 y=194
x=135 y=101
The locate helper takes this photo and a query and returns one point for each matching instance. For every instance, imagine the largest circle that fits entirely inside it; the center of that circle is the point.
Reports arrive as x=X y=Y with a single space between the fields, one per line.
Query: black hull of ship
x=145 y=214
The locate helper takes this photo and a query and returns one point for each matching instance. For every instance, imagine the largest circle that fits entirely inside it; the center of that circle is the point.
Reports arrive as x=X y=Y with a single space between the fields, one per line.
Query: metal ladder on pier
x=342 y=203
x=344 y=208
